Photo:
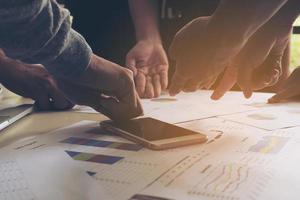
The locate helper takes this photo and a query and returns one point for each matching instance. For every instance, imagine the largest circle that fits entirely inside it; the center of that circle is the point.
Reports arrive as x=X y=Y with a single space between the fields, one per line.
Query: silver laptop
x=12 y=114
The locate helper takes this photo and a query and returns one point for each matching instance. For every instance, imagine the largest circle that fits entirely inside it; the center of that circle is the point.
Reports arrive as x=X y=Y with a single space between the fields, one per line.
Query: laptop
x=13 y=114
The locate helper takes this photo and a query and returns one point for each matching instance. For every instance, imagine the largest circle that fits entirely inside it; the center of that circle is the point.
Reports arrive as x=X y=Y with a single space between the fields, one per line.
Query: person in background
x=251 y=50
x=156 y=23
x=268 y=49
x=147 y=59
x=138 y=43
x=39 y=31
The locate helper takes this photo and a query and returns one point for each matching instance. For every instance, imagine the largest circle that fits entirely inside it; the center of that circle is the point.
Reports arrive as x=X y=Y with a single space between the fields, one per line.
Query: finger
x=284 y=94
x=126 y=93
x=177 y=83
x=244 y=78
x=210 y=83
x=227 y=82
x=140 y=82
x=119 y=111
x=131 y=64
x=149 y=89
x=59 y=101
x=43 y=102
x=111 y=107
x=251 y=57
x=191 y=85
x=157 y=85
x=164 y=80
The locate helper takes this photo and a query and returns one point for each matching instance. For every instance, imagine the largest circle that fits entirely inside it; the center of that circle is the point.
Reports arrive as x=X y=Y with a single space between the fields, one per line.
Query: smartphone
x=154 y=134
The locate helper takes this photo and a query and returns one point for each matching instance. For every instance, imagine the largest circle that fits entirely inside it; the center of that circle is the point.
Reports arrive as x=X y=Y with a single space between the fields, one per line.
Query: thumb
x=118 y=110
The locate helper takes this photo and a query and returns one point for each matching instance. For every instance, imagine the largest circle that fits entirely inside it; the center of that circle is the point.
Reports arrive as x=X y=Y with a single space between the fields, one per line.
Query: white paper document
x=252 y=153
x=270 y=117
x=192 y=106
x=45 y=174
x=243 y=163
x=119 y=166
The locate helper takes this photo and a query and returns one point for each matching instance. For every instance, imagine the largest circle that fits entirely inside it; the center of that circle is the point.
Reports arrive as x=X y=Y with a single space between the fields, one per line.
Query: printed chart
x=102 y=143
x=224 y=181
x=269 y=145
x=96 y=158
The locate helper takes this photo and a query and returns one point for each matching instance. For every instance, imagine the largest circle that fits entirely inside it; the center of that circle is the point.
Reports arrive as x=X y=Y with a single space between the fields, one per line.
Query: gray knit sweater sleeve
x=39 y=31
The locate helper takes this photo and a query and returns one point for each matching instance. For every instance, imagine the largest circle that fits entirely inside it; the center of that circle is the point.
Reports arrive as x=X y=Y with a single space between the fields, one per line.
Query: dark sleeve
x=39 y=31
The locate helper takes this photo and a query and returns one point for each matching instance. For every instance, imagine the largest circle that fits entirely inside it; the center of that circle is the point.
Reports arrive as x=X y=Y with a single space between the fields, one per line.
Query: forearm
x=39 y=31
x=6 y=69
x=145 y=18
x=237 y=20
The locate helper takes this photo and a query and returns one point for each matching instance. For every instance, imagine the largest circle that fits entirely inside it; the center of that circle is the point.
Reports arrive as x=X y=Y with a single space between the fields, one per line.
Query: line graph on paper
x=181 y=167
x=231 y=181
x=200 y=177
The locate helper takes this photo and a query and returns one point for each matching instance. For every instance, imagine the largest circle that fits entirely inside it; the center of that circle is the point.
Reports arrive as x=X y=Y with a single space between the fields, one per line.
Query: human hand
x=200 y=56
x=290 y=89
x=149 y=63
x=259 y=64
x=32 y=81
x=106 y=87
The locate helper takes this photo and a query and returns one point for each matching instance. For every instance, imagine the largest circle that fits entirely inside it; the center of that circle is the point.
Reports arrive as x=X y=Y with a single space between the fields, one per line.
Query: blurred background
x=108 y=28
x=295 y=58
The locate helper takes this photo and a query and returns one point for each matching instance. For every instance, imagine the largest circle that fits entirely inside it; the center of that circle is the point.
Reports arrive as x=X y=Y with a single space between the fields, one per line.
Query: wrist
x=150 y=41
x=148 y=36
x=5 y=71
x=10 y=69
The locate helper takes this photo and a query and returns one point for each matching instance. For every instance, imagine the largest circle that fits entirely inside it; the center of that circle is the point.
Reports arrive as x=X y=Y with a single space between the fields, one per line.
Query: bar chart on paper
x=96 y=158
x=133 y=173
x=102 y=143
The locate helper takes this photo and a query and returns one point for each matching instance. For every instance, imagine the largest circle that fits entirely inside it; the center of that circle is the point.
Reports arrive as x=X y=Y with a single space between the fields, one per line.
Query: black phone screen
x=151 y=129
